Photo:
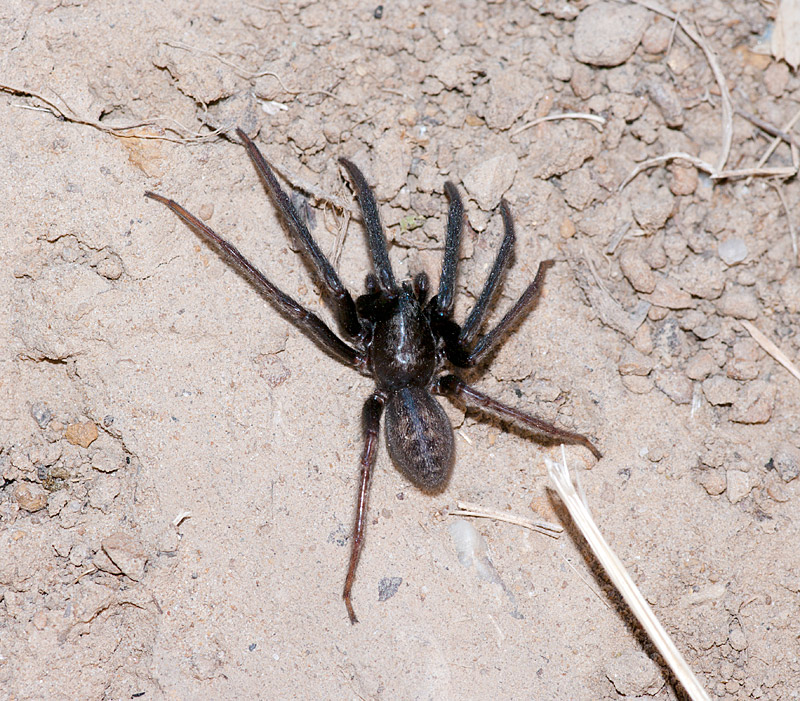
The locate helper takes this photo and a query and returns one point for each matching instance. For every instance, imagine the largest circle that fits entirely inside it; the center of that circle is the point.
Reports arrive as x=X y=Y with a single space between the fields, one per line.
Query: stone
x=488 y=181
x=675 y=385
x=720 y=390
x=82 y=434
x=126 y=553
x=684 y=179
x=637 y=384
x=754 y=403
x=732 y=250
x=739 y=485
x=30 y=496
x=787 y=461
x=738 y=302
x=632 y=362
x=637 y=271
x=607 y=34
x=713 y=481
x=667 y=294
x=700 y=366
x=651 y=210
x=633 y=673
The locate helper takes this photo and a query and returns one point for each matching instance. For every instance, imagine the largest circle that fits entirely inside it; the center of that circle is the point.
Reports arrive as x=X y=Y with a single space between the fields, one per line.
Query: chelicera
x=400 y=338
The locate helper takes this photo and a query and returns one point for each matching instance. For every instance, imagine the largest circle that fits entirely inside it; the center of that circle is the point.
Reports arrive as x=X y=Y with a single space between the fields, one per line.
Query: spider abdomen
x=419 y=438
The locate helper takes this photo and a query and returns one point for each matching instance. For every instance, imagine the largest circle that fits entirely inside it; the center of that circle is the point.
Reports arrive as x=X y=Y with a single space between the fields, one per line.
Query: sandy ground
x=180 y=464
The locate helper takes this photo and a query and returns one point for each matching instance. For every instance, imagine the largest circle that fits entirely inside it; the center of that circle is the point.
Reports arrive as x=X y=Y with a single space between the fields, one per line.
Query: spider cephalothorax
x=400 y=338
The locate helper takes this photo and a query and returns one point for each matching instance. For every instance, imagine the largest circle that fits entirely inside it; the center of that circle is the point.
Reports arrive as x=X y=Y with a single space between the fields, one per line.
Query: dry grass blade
x=560 y=476
x=477 y=511
x=777 y=140
x=771 y=348
x=595 y=120
x=792 y=230
x=129 y=131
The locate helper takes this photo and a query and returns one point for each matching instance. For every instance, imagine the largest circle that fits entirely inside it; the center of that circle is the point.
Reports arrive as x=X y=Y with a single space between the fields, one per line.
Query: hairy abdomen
x=419 y=438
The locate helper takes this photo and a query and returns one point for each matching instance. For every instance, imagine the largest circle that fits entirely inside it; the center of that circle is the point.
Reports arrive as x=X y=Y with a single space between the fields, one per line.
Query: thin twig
x=777 y=171
x=476 y=510
x=777 y=141
x=771 y=348
x=121 y=130
x=767 y=127
x=792 y=231
x=241 y=72
x=594 y=119
x=674 y=155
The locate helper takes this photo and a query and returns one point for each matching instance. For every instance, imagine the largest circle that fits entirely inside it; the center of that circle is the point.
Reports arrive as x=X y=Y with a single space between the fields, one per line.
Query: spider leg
x=343 y=301
x=370 y=420
x=475 y=318
x=372 y=223
x=520 y=308
x=447 y=280
x=297 y=314
x=455 y=388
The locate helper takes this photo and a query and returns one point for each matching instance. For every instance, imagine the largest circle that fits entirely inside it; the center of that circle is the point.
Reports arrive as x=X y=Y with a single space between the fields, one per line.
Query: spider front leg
x=455 y=388
x=375 y=235
x=305 y=320
x=342 y=300
x=452 y=245
x=371 y=421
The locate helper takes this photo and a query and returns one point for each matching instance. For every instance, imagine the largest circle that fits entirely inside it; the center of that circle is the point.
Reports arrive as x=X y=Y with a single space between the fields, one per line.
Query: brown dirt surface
x=179 y=464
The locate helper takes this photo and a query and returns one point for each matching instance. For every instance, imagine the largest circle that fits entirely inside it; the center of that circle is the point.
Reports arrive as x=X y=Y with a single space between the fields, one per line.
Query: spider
x=399 y=337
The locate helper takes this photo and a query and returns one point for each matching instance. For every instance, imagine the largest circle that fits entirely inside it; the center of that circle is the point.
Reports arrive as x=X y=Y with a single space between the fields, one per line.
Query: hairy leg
x=372 y=223
x=371 y=421
x=455 y=388
x=307 y=321
x=342 y=300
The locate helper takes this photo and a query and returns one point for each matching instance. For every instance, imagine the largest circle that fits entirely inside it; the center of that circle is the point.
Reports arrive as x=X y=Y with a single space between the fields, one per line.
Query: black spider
x=399 y=338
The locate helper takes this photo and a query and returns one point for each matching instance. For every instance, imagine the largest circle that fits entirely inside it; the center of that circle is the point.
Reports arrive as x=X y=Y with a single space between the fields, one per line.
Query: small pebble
x=754 y=403
x=633 y=673
x=684 y=179
x=706 y=331
x=632 y=362
x=657 y=36
x=787 y=461
x=607 y=34
x=776 y=78
x=737 y=639
x=388 y=587
x=720 y=390
x=637 y=271
x=82 y=434
x=675 y=385
x=713 y=481
x=126 y=553
x=666 y=98
x=41 y=414
x=700 y=366
x=30 y=497
x=110 y=267
x=738 y=302
x=637 y=384
x=668 y=294
x=488 y=181
x=651 y=210
x=738 y=485
x=732 y=251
